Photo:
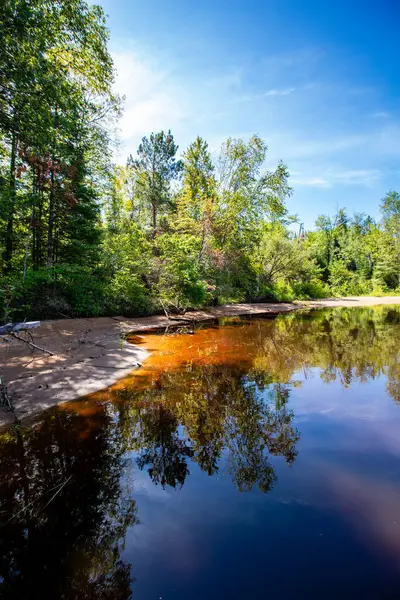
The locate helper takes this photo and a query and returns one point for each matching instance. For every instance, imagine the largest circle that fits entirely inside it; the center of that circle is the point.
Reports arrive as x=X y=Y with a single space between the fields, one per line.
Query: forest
x=81 y=235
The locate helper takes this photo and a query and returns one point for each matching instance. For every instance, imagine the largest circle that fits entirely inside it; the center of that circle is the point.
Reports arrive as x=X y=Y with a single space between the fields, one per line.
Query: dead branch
x=164 y=309
x=31 y=344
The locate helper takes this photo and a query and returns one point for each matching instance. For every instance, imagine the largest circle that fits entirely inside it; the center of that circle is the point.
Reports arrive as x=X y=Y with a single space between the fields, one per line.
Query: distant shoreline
x=92 y=354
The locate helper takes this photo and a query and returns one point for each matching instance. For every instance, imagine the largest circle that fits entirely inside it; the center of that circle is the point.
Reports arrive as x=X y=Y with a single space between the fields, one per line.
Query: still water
x=251 y=459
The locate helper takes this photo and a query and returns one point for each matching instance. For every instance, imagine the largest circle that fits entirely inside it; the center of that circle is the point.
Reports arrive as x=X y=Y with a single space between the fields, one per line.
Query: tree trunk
x=30 y=228
x=50 y=241
x=28 y=235
x=154 y=215
x=56 y=244
x=398 y=266
x=40 y=260
x=52 y=202
x=9 y=242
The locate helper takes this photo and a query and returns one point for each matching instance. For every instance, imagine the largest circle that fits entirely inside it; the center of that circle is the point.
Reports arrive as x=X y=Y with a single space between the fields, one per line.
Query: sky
x=319 y=80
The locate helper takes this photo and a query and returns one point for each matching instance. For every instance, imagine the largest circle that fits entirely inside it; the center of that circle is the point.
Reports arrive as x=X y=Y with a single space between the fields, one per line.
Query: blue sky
x=318 y=80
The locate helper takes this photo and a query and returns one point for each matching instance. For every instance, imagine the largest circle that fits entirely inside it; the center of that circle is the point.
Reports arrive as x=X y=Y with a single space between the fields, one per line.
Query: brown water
x=252 y=459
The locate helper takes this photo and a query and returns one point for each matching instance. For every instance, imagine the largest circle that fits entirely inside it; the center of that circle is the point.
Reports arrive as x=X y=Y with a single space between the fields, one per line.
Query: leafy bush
x=344 y=282
x=127 y=295
x=180 y=282
x=53 y=293
x=311 y=289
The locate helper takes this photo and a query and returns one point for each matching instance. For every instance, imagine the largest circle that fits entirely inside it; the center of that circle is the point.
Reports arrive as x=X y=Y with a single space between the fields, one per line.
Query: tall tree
x=197 y=200
x=55 y=82
x=249 y=193
x=156 y=168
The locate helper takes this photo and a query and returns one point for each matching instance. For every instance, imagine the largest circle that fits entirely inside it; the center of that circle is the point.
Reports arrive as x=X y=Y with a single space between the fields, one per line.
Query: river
x=250 y=458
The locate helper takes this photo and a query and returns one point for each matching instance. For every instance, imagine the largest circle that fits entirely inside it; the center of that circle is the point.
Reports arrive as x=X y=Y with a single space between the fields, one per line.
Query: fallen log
x=14 y=327
x=11 y=330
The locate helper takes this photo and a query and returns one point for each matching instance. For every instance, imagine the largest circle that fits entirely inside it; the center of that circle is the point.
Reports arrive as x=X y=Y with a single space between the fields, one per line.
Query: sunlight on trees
x=173 y=228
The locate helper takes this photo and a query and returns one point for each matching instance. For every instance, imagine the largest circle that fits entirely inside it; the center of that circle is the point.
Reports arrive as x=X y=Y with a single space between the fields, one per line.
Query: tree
x=390 y=209
x=84 y=477
x=248 y=193
x=53 y=58
x=155 y=170
x=279 y=257
x=197 y=199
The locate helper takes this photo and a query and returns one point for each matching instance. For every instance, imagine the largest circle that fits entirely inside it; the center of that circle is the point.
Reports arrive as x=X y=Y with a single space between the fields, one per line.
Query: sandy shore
x=91 y=354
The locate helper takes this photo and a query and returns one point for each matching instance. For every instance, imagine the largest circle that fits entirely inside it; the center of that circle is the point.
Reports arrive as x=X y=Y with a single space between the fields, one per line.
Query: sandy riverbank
x=91 y=354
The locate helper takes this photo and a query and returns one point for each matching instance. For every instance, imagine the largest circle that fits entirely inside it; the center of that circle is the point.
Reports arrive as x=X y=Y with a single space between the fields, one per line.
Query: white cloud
x=269 y=93
x=275 y=92
x=160 y=99
x=306 y=56
x=297 y=145
x=357 y=176
x=335 y=176
x=318 y=182
x=152 y=100
x=380 y=114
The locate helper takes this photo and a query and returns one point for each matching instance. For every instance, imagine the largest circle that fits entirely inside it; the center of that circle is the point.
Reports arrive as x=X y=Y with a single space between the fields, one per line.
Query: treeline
x=357 y=255
x=82 y=236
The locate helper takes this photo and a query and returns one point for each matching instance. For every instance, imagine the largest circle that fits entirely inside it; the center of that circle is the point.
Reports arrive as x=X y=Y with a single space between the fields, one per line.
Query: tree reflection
x=63 y=510
x=161 y=449
x=236 y=408
x=347 y=345
x=211 y=415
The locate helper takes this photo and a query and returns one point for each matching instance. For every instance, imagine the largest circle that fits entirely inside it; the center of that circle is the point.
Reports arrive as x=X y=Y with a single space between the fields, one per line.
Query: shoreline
x=92 y=354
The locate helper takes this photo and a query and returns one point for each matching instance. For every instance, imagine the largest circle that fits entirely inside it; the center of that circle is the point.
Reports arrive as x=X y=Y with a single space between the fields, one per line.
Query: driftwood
x=11 y=330
x=15 y=327
x=180 y=319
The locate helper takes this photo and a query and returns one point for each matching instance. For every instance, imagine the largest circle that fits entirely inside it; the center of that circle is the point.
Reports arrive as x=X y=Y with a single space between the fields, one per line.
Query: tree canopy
x=174 y=227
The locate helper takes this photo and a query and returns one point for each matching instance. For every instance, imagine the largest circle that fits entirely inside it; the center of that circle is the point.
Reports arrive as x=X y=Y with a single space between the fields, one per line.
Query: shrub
x=180 y=284
x=58 y=292
x=127 y=295
x=311 y=289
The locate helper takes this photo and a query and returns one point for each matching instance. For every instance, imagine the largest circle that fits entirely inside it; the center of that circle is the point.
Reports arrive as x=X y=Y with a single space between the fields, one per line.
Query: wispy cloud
x=284 y=92
x=294 y=59
x=294 y=145
x=336 y=176
x=261 y=95
x=357 y=176
x=380 y=114
x=317 y=182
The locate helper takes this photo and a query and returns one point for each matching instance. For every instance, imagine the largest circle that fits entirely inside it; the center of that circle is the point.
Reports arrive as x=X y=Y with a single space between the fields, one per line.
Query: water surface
x=251 y=459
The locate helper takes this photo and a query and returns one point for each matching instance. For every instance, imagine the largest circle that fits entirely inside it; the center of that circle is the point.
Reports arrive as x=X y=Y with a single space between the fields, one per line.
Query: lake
x=251 y=458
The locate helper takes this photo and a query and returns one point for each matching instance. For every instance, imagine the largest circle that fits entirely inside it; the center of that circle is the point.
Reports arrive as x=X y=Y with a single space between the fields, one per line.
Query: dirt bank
x=91 y=354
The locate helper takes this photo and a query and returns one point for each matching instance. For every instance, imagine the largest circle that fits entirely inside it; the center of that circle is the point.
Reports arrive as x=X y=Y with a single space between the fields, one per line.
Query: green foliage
x=154 y=169
x=310 y=290
x=180 y=284
x=356 y=256
x=126 y=294
x=65 y=290
x=283 y=291
x=278 y=257
x=81 y=236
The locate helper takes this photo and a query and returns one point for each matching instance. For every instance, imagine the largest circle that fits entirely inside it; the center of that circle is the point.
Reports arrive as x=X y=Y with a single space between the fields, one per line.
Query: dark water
x=255 y=459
